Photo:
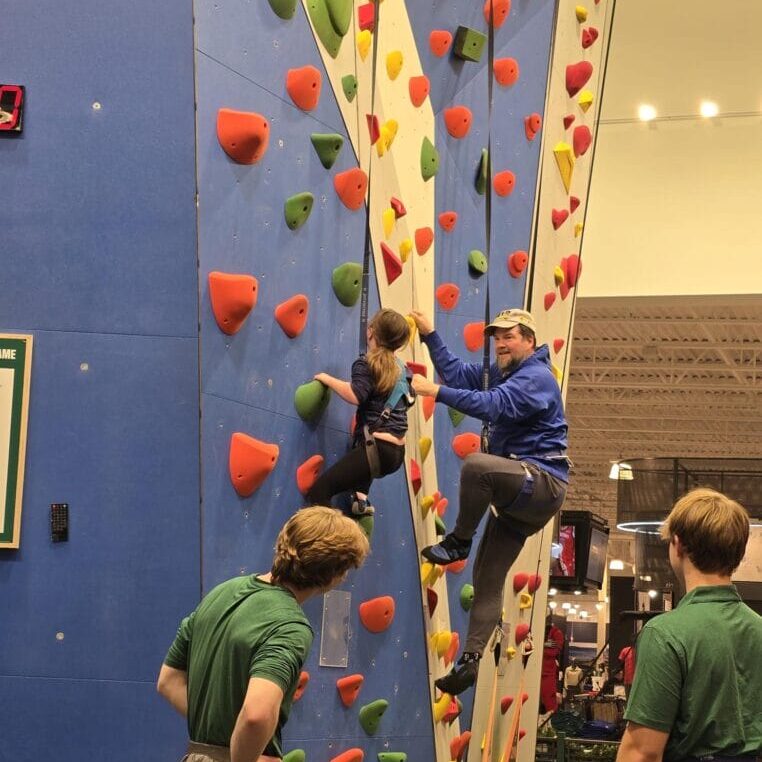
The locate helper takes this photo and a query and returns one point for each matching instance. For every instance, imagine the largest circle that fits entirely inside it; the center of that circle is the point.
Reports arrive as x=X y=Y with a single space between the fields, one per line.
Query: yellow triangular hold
x=364 y=39
x=426 y=504
x=391 y=125
x=581 y=13
x=394 y=64
x=406 y=248
x=557 y=374
x=388 y=217
x=424 y=447
x=412 y=327
x=430 y=573
x=441 y=705
x=510 y=652
x=578 y=229
x=558 y=275
x=565 y=160
x=585 y=100
x=441 y=642
x=525 y=601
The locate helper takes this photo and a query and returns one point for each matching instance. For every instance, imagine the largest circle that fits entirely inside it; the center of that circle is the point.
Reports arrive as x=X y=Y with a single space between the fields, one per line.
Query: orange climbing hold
x=558 y=345
x=415 y=476
x=431 y=599
x=250 y=462
x=350 y=755
x=466 y=444
x=378 y=613
x=349 y=688
x=522 y=630
x=392 y=264
x=441 y=506
x=419 y=88
x=308 y=472
x=303 y=85
x=452 y=651
x=504 y=182
x=532 y=125
x=549 y=299
x=458 y=121
x=304 y=678
x=447 y=296
x=456 y=567
x=291 y=315
x=233 y=297
x=429 y=403
x=350 y=186
x=439 y=42
x=458 y=745
x=424 y=237
x=473 y=336
x=243 y=135
x=506 y=71
x=517 y=263
x=447 y=220
x=501 y=9
x=558 y=217
x=534 y=582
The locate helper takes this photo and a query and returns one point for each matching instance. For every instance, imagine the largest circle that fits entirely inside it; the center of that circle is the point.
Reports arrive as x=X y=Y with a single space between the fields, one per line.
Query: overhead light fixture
x=708 y=109
x=646 y=112
x=652 y=594
x=621 y=471
x=552 y=591
x=552 y=604
x=616 y=564
x=577 y=592
x=566 y=605
x=643 y=527
x=599 y=606
x=583 y=614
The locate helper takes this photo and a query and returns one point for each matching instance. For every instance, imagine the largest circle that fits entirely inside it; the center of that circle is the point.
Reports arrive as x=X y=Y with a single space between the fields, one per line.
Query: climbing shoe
x=460 y=677
x=449 y=550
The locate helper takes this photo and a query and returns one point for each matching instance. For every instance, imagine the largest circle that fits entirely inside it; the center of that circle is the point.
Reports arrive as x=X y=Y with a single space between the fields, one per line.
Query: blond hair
x=316 y=547
x=712 y=528
x=391 y=331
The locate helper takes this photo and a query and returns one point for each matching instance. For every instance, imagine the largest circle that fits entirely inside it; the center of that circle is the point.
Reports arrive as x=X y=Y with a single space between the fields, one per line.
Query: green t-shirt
x=243 y=628
x=698 y=676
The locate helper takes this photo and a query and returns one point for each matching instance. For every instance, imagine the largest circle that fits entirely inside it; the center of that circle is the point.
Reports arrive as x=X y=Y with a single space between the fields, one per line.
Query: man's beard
x=507 y=363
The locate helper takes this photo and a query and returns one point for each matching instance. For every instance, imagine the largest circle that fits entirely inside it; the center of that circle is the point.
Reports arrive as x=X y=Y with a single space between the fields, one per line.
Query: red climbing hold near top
x=589 y=36
x=447 y=220
x=568 y=120
x=233 y=297
x=504 y=182
x=243 y=135
x=350 y=186
x=447 y=295
x=419 y=89
x=303 y=85
x=308 y=472
x=506 y=71
x=440 y=41
x=458 y=121
x=423 y=240
x=366 y=16
x=466 y=444
x=517 y=263
x=558 y=217
x=250 y=462
x=549 y=299
x=519 y=580
x=534 y=582
x=415 y=476
x=291 y=315
x=573 y=204
x=581 y=139
x=398 y=206
x=558 y=345
x=573 y=269
x=522 y=630
x=349 y=688
x=501 y=9
x=473 y=336
x=577 y=76
x=392 y=264
x=377 y=614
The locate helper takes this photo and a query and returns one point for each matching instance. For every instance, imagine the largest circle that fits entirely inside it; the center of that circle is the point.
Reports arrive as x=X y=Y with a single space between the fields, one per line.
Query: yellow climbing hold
x=565 y=160
x=387 y=133
x=406 y=248
x=430 y=573
x=585 y=100
x=411 y=325
x=558 y=275
x=443 y=640
x=364 y=39
x=391 y=126
x=581 y=13
x=394 y=64
x=424 y=447
x=427 y=503
x=388 y=217
x=578 y=229
x=510 y=652
x=557 y=373
x=525 y=601
x=441 y=705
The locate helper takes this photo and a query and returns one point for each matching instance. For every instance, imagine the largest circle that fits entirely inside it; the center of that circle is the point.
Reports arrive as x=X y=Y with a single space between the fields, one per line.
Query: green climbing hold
x=370 y=715
x=311 y=400
x=466 y=597
x=347 y=283
x=349 y=85
x=468 y=44
x=366 y=523
x=455 y=416
x=429 y=159
x=321 y=21
x=483 y=173
x=391 y=756
x=340 y=13
x=284 y=9
x=439 y=525
x=477 y=261
x=297 y=755
x=327 y=147
x=297 y=209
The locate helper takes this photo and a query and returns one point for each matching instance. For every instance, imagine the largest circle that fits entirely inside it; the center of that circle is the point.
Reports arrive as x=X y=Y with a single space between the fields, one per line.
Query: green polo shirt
x=698 y=676
x=243 y=628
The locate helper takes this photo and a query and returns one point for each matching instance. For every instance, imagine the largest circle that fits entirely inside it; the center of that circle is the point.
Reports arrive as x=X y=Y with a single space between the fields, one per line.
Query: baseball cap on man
x=509 y=319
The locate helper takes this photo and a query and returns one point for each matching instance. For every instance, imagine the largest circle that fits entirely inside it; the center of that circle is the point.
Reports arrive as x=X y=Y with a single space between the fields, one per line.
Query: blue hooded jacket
x=523 y=407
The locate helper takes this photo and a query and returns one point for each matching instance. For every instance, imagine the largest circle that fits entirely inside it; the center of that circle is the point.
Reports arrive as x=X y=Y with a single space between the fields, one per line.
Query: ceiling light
x=583 y=614
x=709 y=109
x=652 y=593
x=566 y=605
x=552 y=604
x=552 y=591
x=577 y=592
x=646 y=112
x=599 y=606
x=616 y=564
x=621 y=471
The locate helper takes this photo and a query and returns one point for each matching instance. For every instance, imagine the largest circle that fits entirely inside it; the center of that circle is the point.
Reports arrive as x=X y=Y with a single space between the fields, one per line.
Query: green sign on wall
x=15 y=373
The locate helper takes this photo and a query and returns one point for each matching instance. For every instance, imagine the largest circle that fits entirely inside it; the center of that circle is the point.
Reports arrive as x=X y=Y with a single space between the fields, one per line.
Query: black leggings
x=352 y=472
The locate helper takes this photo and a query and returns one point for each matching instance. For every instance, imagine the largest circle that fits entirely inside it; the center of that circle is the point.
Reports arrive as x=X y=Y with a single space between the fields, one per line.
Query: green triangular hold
x=284 y=9
x=349 y=85
x=321 y=21
x=440 y=526
x=477 y=261
x=297 y=209
x=455 y=416
x=371 y=714
x=340 y=12
x=327 y=147
x=311 y=400
x=481 y=175
x=466 y=597
x=391 y=756
x=297 y=755
x=347 y=283
x=366 y=524
x=429 y=159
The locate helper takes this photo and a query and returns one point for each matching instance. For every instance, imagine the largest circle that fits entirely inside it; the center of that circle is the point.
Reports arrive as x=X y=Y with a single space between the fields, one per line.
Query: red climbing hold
x=415 y=476
x=456 y=567
x=522 y=733
x=350 y=186
x=392 y=264
x=519 y=580
x=504 y=182
x=291 y=315
x=577 y=76
x=573 y=268
x=563 y=289
x=233 y=297
x=452 y=651
x=473 y=336
x=431 y=599
x=458 y=121
x=501 y=9
x=366 y=16
x=377 y=613
x=243 y=135
x=573 y=204
x=517 y=263
x=447 y=220
x=439 y=42
x=349 y=688
x=417 y=367
x=419 y=89
x=581 y=139
x=568 y=120
x=250 y=462
x=506 y=71
x=505 y=704
x=447 y=295
x=429 y=403
x=303 y=85
x=308 y=472
x=522 y=630
x=532 y=125
x=558 y=345
x=304 y=678
x=589 y=36
x=550 y=298
x=373 y=128
x=453 y=710
x=458 y=745
x=441 y=506
x=534 y=582
x=350 y=755
x=466 y=444
x=398 y=206
x=423 y=239
x=558 y=217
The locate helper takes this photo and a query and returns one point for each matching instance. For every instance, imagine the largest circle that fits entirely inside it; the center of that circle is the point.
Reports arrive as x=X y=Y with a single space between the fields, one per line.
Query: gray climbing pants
x=491 y=480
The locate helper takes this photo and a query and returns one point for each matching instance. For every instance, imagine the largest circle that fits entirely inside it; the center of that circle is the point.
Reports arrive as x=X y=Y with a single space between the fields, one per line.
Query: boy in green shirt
x=698 y=683
x=236 y=660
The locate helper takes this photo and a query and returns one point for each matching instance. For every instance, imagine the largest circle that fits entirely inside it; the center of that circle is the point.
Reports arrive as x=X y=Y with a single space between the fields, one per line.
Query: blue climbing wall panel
x=99 y=264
